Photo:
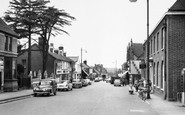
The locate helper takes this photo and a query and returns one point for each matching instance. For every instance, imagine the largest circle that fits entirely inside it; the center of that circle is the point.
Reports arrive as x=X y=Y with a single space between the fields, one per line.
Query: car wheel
x=35 y=95
x=55 y=92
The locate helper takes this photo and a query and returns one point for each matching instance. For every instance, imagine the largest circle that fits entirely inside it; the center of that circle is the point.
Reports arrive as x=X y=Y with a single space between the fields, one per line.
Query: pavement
x=162 y=106
x=7 y=97
x=165 y=107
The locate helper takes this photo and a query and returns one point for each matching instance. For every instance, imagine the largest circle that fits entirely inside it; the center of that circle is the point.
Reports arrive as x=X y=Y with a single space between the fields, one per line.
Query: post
x=147 y=51
x=81 y=63
x=147 y=57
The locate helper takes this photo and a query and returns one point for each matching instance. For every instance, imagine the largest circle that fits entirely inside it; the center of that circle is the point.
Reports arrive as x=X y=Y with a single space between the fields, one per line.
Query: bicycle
x=143 y=93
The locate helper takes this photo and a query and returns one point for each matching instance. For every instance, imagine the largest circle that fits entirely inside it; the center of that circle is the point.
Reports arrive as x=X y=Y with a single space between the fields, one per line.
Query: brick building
x=167 y=52
x=135 y=55
x=8 y=55
x=58 y=65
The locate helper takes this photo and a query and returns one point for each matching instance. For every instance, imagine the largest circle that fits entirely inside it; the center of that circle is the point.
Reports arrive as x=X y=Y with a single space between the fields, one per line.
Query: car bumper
x=61 y=88
x=41 y=92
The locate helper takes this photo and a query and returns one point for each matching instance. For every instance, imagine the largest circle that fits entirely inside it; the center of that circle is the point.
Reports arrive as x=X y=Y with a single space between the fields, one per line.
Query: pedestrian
x=136 y=85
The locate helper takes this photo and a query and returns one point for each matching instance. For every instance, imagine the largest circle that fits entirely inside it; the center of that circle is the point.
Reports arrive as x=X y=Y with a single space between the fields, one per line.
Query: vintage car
x=65 y=85
x=89 y=81
x=45 y=87
x=85 y=82
x=117 y=82
x=77 y=83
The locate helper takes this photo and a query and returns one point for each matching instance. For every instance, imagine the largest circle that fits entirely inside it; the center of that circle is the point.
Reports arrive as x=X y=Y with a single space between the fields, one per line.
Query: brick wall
x=175 y=54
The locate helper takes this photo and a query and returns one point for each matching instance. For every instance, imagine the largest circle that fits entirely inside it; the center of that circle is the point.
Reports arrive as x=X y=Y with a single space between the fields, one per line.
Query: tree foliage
x=28 y=17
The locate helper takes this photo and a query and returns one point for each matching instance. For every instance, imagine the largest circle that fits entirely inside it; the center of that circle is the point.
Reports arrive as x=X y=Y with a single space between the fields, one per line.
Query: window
x=154 y=74
x=24 y=62
x=154 y=44
x=157 y=75
x=163 y=37
x=8 y=43
x=151 y=47
x=157 y=41
x=162 y=75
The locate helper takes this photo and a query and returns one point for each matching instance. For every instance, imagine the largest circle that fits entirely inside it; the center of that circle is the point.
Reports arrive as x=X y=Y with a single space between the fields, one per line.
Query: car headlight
x=36 y=88
x=46 y=89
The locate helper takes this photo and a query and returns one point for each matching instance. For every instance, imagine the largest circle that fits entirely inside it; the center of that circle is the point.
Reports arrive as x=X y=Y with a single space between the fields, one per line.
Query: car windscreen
x=45 y=82
x=63 y=81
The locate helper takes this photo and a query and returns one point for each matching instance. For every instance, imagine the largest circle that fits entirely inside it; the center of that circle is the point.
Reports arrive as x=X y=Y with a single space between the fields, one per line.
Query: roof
x=74 y=58
x=6 y=29
x=137 y=49
x=85 y=66
x=60 y=57
x=179 y=5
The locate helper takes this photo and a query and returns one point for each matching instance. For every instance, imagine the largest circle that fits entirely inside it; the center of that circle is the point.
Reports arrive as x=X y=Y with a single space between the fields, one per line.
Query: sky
x=103 y=28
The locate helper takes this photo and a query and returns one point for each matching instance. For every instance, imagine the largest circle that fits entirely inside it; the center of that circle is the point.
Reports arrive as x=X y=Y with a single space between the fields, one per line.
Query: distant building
x=135 y=55
x=8 y=55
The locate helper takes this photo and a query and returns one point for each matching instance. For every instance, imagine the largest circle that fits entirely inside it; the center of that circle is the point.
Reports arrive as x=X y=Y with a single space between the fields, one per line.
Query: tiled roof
x=6 y=29
x=75 y=58
x=137 y=49
x=85 y=66
x=60 y=57
x=179 y=5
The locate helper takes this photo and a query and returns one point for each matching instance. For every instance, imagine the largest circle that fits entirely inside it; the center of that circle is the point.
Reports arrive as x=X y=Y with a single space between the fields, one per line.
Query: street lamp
x=147 y=54
x=81 y=60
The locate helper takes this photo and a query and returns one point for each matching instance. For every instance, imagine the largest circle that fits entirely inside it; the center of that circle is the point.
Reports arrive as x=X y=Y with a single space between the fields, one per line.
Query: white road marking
x=135 y=110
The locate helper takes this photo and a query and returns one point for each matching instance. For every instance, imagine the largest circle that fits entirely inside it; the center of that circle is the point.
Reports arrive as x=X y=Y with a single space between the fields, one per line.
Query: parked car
x=96 y=79
x=77 y=83
x=45 y=87
x=89 y=81
x=65 y=85
x=117 y=82
x=107 y=80
x=84 y=82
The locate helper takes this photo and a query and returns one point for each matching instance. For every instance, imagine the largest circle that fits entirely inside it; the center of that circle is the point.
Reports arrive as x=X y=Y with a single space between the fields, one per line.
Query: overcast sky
x=105 y=27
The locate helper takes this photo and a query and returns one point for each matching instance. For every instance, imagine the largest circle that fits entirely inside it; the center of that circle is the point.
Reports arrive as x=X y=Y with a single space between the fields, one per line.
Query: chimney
x=51 y=48
x=61 y=50
x=64 y=54
x=56 y=51
x=85 y=62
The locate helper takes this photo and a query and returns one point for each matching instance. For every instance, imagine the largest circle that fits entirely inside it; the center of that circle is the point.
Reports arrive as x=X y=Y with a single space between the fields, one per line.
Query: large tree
x=29 y=17
x=51 y=22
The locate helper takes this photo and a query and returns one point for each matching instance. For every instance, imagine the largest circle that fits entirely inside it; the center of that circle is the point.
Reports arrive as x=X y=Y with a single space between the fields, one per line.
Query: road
x=100 y=98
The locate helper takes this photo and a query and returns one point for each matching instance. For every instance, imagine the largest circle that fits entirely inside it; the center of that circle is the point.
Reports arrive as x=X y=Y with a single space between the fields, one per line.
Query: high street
x=100 y=98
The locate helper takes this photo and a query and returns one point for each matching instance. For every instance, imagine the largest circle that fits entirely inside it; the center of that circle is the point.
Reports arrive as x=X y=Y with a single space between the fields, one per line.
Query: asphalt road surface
x=100 y=98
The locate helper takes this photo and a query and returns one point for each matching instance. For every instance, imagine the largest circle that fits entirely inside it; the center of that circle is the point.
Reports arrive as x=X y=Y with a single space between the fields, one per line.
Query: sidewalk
x=6 y=97
x=165 y=107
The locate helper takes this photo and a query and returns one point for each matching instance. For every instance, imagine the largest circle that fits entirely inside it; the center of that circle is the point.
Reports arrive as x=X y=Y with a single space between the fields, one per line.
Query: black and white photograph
x=92 y=57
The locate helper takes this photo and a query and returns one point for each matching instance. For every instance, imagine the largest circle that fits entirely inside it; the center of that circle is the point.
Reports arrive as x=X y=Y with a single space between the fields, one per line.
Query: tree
x=28 y=17
x=51 y=22
x=21 y=18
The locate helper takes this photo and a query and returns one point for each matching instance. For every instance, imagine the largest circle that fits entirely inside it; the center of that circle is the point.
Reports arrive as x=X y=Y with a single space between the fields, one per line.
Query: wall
x=176 y=53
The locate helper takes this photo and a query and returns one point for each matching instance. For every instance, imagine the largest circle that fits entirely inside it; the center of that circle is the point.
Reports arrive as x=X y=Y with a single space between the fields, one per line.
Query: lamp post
x=147 y=53
x=81 y=60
